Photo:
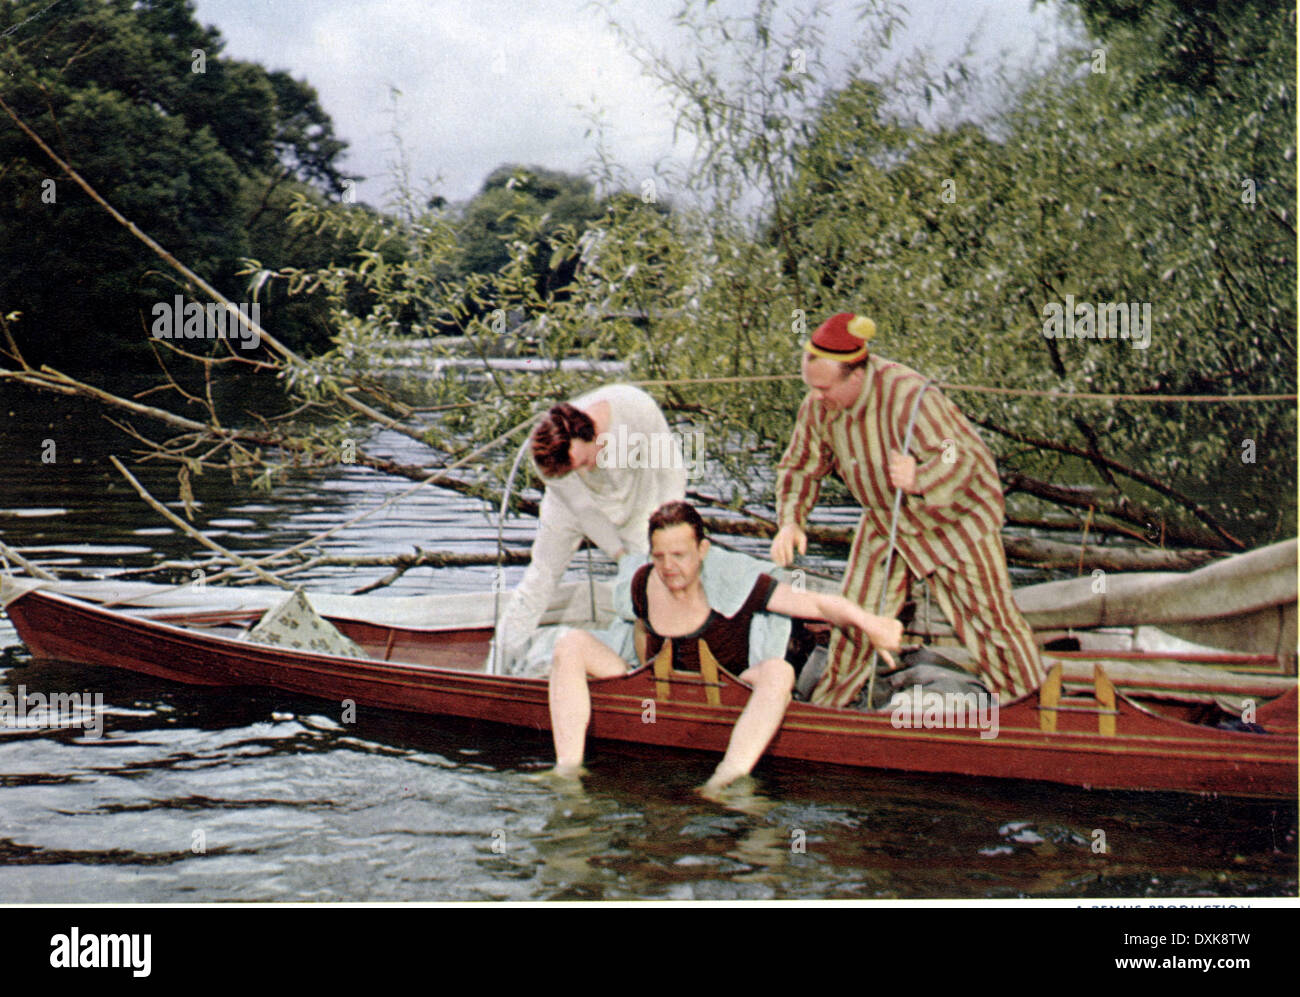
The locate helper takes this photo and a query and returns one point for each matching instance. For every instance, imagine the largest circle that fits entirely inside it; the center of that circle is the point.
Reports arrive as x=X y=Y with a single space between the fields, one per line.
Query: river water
x=196 y=794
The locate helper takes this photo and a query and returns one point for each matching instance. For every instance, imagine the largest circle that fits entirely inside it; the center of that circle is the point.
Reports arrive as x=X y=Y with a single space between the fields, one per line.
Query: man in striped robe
x=853 y=423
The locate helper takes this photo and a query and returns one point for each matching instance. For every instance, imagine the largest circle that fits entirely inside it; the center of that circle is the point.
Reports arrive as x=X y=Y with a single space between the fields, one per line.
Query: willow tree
x=813 y=192
x=1106 y=183
x=1097 y=182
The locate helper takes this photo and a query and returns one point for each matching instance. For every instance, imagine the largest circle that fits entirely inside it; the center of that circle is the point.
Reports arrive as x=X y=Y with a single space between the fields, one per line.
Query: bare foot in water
x=719 y=781
x=741 y=794
x=561 y=776
x=567 y=773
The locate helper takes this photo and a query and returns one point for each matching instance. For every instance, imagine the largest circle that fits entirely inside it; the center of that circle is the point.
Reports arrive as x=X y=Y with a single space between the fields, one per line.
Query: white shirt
x=639 y=467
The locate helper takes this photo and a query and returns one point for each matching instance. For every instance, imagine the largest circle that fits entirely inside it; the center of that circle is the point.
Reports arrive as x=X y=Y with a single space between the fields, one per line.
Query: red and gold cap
x=843 y=337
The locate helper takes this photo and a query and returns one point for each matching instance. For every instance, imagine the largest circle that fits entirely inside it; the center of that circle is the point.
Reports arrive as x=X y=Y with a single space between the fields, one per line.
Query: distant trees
x=518 y=206
x=513 y=195
x=199 y=150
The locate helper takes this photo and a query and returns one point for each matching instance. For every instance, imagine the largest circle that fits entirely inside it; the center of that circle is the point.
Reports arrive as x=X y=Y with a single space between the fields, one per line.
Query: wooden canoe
x=438 y=669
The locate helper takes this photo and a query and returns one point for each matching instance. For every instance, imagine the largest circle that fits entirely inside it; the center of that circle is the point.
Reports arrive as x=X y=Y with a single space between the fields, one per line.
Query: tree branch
x=1142 y=478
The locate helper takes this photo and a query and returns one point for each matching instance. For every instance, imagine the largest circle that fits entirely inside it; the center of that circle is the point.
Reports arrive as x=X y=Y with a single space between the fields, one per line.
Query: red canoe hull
x=1147 y=752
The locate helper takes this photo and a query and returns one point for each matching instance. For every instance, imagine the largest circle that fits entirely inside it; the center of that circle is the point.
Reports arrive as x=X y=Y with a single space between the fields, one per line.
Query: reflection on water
x=255 y=795
x=200 y=794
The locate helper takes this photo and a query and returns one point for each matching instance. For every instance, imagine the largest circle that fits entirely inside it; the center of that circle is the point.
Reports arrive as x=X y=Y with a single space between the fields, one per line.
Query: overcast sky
x=485 y=82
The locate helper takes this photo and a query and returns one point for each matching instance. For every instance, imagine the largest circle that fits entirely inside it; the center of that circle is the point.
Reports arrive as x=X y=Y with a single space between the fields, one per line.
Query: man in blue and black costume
x=671 y=601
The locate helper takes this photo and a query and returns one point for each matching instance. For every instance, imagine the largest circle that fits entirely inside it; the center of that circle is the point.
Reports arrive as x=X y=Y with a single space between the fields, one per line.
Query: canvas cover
x=295 y=625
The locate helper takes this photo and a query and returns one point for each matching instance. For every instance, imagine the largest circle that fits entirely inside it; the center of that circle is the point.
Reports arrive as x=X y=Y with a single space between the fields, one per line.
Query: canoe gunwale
x=1157 y=752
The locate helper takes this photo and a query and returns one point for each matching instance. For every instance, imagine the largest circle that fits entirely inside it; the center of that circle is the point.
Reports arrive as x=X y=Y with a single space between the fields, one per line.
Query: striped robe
x=950 y=531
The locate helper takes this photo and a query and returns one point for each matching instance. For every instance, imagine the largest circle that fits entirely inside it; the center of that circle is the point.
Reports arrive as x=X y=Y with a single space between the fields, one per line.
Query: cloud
x=485 y=82
x=480 y=83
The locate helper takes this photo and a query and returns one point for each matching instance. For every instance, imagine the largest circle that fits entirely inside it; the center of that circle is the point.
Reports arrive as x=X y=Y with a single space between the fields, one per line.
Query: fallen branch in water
x=420 y=559
x=35 y=570
x=403 y=563
x=1135 y=474
x=176 y=521
x=1118 y=506
x=1024 y=551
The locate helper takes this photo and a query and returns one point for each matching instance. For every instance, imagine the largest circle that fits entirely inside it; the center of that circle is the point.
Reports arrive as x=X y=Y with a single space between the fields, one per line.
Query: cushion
x=294 y=624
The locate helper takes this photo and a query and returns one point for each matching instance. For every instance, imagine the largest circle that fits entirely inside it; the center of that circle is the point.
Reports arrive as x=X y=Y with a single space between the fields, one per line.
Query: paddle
x=893 y=536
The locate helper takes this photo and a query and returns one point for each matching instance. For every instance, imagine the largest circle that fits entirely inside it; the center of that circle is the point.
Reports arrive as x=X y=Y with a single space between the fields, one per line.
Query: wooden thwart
x=709 y=672
x=1102 y=702
x=665 y=674
x=663 y=665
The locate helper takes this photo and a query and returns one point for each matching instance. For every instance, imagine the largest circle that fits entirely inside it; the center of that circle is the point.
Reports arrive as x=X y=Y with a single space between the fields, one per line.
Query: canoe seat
x=1102 y=702
x=666 y=675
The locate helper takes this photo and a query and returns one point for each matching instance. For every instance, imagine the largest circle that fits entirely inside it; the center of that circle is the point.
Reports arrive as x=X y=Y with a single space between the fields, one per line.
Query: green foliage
x=200 y=160
x=1101 y=180
x=1127 y=185
x=518 y=201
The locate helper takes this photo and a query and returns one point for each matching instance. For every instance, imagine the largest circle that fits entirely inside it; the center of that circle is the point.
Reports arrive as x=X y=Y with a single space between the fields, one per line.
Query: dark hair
x=674 y=514
x=561 y=425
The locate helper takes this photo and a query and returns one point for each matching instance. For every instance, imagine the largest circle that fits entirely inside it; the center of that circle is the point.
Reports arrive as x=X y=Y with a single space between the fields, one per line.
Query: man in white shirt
x=608 y=460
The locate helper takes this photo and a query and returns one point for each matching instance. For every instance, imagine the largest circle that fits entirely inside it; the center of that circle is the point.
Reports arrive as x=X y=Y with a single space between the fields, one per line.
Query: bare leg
x=578 y=655
x=758 y=722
